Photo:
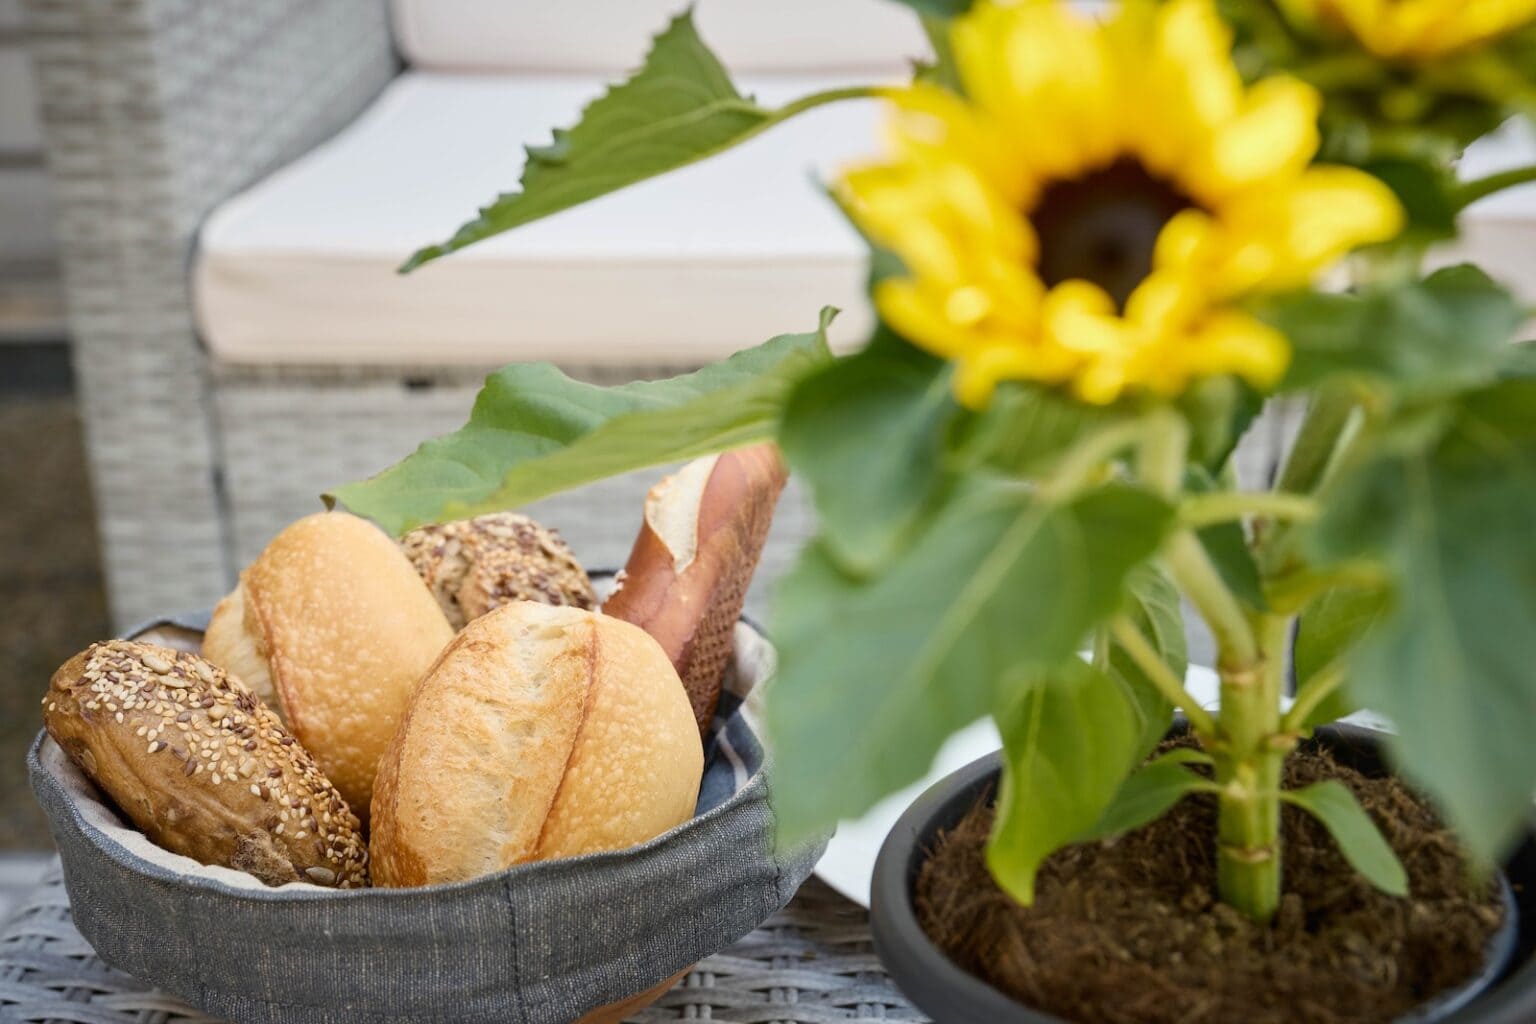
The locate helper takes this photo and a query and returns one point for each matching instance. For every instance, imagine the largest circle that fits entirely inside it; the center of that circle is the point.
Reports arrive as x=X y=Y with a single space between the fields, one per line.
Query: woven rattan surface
x=810 y=962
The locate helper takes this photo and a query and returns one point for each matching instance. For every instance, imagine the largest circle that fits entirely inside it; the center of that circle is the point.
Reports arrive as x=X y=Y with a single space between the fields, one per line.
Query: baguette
x=687 y=576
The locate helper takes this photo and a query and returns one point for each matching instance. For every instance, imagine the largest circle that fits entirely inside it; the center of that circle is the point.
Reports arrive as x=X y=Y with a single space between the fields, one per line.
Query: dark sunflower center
x=1103 y=226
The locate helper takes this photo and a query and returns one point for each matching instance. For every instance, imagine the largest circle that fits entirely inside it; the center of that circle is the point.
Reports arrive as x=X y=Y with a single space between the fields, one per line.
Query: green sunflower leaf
x=535 y=432
x=679 y=108
x=1329 y=629
x=1432 y=337
x=1026 y=429
x=938 y=8
x=1227 y=545
x=998 y=583
x=1332 y=803
x=1150 y=792
x=1427 y=191
x=1449 y=659
x=1069 y=739
x=867 y=433
x=1152 y=604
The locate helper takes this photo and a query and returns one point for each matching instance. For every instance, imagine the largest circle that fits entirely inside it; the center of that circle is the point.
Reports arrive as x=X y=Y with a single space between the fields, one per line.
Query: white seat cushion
x=300 y=269
x=519 y=36
x=681 y=269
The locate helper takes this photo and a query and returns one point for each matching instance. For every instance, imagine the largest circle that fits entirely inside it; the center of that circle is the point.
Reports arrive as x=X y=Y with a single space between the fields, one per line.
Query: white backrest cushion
x=611 y=36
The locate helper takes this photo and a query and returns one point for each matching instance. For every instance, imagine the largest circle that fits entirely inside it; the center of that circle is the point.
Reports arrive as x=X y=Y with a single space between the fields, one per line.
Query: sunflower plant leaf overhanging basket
x=1097 y=245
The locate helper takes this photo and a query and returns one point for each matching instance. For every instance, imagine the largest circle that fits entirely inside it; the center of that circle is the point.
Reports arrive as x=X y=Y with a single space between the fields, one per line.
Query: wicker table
x=810 y=962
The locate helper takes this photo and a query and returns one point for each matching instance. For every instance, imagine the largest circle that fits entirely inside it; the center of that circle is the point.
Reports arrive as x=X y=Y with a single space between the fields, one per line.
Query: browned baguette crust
x=692 y=608
x=474 y=566
x=201 y=766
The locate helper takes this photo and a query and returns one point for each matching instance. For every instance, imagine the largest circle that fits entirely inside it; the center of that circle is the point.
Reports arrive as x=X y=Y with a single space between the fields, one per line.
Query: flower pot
x=590 y=938
x=1503 y=992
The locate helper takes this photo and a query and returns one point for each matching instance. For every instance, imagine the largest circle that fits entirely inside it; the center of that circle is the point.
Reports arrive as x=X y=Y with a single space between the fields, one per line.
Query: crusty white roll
x=687 y=576
x=541 y=732
x=332 y=620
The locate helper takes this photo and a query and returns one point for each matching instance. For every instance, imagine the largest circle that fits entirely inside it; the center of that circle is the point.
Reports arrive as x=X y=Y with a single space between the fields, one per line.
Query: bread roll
x=344 y=628
x=475 y=565
x=687 y=576
x=541 y=732
x=201 y=766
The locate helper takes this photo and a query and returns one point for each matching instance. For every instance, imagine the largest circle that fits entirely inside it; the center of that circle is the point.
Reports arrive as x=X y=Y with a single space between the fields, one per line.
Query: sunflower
x=1418 y=30
x=1095 y=207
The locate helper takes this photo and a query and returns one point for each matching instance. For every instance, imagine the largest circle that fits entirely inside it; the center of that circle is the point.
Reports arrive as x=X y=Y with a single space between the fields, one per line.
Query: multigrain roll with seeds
x=201 y=766
x=474 y=566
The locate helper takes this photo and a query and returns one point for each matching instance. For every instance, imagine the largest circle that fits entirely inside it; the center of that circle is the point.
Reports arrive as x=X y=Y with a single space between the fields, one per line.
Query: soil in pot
x=1130 y=932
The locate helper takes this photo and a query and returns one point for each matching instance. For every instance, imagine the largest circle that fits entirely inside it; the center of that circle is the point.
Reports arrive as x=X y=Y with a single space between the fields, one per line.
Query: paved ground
x=51 y=601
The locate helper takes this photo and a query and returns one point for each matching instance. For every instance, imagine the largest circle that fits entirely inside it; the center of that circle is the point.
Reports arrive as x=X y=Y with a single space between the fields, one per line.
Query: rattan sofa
x=155 y=112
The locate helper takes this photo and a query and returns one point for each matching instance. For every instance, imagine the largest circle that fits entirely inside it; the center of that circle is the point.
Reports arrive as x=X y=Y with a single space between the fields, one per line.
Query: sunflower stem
x=1161 y=675
x=1164 y=452
x=944 y=70
x=1078 y=467
x=819 y=99
x=1249 y=762
x=1192 y=569
x=1480 y=188
x=1200 y=510
x=1317 y=689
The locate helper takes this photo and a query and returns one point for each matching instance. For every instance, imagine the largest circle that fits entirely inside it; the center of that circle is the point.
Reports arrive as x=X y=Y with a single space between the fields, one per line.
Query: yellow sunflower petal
x=1276 y=134
x=919 y=314
x=1044 y=74
x=1315 y=219
x=1236 y=343
x=940 y=217
x=932 y=119
x=1418 y=30
x=1079 y=316
x=1188 y=86
x=1165 y=302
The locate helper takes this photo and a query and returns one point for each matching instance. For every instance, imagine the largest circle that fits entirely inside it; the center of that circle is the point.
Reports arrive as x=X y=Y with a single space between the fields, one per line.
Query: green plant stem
x=819 y=99
x=1160 y=675
x=1317 y=689
x=1200 y=510
x=1196 y=576
x=1249 y=760
x=1293 y=590
x=946 y=72
x=1164 y=452
x=1481 y=188
x=1085 y=459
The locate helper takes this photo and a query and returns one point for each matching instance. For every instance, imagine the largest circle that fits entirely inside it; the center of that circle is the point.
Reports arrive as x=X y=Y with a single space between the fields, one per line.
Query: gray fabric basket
x=544 y=942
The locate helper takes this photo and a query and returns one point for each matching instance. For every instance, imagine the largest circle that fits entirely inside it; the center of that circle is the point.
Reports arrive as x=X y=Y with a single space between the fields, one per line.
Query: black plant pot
x=1504 y=993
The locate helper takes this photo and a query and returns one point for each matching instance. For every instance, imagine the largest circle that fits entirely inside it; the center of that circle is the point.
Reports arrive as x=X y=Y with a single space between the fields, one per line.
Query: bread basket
x=588 y=938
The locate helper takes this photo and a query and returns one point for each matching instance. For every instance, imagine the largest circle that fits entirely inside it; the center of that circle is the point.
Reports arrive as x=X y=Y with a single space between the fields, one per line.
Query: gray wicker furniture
x=810 y=963
x=155 y=111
